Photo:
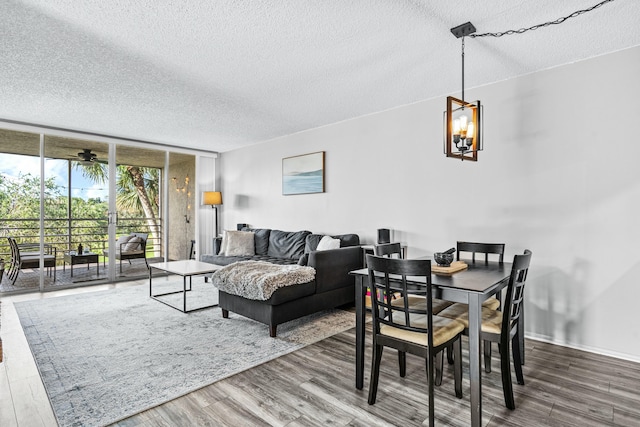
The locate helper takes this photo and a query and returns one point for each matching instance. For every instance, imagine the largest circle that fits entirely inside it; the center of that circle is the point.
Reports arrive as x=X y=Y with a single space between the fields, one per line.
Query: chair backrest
x=388 y=276
x=390 y=250
x=482 y=248
x=144 y=237
x=515 y=292
x=15 y=252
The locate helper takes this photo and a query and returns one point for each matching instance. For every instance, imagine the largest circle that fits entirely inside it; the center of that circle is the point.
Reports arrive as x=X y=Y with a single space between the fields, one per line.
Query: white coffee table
x=185 y=268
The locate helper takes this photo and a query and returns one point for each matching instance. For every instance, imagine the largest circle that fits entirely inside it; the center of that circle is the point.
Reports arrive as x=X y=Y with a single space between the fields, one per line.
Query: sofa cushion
x=304 y=259
x=312 y=240
x=226 y=260
x=223 y=260
x=287 y=244
x=347 y=240
x=239 y=243
x=291 y=293
x=261 y=239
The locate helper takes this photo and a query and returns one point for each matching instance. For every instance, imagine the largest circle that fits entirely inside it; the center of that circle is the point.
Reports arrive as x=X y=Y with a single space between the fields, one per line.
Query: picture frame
x=303 y=174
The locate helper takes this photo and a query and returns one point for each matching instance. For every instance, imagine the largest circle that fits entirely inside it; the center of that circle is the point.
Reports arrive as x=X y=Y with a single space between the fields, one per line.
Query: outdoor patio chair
x=24 y=256
x=131 y=246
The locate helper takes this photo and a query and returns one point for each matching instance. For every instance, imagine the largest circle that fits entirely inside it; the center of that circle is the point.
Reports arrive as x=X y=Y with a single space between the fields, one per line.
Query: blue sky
x=12 y=165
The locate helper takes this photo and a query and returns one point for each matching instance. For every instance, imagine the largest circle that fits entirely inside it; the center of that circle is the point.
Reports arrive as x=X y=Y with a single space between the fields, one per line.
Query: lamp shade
x=211 y=198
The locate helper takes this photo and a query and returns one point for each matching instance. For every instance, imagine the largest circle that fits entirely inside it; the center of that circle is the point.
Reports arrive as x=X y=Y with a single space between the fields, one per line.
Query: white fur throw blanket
x=258 y=280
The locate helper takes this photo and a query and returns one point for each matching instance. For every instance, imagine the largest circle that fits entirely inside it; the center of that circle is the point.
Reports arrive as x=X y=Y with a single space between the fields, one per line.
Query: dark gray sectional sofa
x=332 y=287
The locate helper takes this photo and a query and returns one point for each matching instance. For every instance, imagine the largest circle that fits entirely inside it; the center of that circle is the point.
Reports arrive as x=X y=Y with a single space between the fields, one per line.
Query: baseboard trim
x=595 y=350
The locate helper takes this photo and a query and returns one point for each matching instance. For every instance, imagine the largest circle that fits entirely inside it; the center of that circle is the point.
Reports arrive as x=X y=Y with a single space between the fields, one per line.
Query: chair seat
x=444 y=329
x=491 y=319
x=34 y=261
x=420 y=302
x=491 y=304
x=124 y=254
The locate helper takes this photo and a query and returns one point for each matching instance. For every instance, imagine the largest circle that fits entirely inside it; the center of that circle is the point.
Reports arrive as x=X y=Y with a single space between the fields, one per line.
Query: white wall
x=559 y=175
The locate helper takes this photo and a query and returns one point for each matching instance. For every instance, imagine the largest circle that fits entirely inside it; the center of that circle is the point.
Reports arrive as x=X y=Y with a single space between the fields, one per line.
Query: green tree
x=137 y=190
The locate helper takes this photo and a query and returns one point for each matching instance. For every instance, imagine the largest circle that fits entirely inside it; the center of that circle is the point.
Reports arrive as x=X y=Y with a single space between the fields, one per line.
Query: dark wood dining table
x=471 y=286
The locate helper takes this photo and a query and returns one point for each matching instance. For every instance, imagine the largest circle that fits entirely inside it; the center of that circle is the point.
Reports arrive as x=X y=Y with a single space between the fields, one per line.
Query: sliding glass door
x=137 y=212
x=82 y=199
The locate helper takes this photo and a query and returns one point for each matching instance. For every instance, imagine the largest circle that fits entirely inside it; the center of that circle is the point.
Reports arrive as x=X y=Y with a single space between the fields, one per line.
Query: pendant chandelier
x=463 y=119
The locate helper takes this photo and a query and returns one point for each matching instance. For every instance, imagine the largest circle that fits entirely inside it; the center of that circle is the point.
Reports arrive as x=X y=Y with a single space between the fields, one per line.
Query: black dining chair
x=390 y=250
x=406 y=328
x=503 y=326
x=394 y=250
x=485 y=249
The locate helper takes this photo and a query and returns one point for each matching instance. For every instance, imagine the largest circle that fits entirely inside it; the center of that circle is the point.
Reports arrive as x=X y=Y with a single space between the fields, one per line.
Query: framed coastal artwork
x=303 y=174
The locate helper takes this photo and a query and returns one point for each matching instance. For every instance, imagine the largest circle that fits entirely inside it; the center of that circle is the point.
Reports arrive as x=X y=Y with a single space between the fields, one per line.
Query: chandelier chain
x=546 y=24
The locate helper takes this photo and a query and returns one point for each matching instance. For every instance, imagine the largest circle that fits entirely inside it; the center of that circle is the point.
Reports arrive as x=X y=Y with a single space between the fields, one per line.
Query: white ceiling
x=222 y=74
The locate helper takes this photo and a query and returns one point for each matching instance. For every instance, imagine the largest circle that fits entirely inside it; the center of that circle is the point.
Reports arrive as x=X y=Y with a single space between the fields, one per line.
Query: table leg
x=150 y=293
x=71 y=268
x=360 y=314
x=184 y=293
x=474 y=359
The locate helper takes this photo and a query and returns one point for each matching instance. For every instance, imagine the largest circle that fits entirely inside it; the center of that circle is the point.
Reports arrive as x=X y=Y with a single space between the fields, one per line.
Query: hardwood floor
x=314 y=386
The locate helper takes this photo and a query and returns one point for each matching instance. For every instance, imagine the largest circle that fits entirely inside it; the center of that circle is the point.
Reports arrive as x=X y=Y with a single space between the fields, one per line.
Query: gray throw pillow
x=261 y=239
x=239 y=243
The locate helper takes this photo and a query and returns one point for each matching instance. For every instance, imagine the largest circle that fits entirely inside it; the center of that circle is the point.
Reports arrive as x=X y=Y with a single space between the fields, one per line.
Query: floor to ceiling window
x=89 y=206
x=20 y=190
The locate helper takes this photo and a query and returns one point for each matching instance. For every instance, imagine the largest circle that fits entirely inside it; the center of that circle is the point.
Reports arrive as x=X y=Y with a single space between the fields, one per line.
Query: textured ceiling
x=218 y=75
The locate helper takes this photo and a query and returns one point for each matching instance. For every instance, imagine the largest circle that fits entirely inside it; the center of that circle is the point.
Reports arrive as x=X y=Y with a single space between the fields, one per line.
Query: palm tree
x=137 y=189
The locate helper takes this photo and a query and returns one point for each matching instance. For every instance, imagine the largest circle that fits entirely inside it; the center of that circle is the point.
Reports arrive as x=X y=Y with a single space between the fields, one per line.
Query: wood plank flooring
x=314 y=386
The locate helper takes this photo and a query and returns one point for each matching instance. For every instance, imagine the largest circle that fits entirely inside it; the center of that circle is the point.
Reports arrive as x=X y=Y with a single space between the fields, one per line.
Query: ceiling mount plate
x=463 y=30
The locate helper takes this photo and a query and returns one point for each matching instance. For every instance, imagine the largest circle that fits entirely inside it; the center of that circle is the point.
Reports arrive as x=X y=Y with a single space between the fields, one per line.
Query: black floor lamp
x=213 y=199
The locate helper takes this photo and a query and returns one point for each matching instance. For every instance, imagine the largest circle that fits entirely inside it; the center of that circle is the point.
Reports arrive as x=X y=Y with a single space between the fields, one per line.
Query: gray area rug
x=104 y=356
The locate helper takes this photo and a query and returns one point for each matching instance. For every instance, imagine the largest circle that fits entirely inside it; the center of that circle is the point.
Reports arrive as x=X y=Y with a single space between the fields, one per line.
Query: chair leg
x=15 y=276
x=431 y=373
x=14 y=273
x=457 y=367
x=505 y=367
x=517 y=358
x=487 y=356
x=439 y=368
x=375 y=373
x=450 y=355
x=402 y=363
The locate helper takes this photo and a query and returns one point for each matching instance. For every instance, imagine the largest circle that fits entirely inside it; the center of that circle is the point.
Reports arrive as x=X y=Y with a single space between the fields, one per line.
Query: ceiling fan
x=87 y=157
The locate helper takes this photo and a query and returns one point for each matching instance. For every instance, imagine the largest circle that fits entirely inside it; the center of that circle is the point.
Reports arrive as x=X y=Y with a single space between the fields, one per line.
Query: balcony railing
x=67 y=233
